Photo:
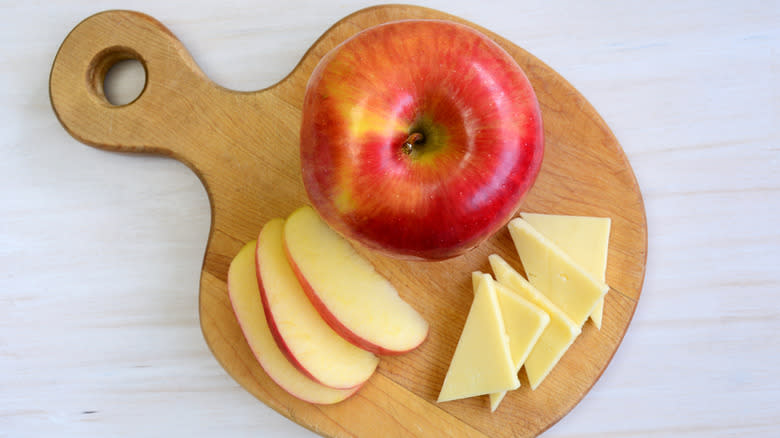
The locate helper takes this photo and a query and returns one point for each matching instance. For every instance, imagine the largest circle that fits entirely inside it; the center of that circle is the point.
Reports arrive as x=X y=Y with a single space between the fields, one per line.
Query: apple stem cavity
x=414 y=138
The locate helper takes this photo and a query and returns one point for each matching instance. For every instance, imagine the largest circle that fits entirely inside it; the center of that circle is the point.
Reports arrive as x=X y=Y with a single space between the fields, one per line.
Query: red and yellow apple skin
x=338 y=326
x=301 y=334
x=247 y=305
x=419 y=138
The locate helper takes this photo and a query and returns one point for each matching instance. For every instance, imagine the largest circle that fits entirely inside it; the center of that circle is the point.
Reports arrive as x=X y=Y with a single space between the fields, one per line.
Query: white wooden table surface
x=100 y=253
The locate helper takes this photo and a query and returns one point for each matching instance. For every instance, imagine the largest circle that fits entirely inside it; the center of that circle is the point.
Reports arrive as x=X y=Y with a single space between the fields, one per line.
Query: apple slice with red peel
x=245 y=298
x=359 y=303
x=300 y=332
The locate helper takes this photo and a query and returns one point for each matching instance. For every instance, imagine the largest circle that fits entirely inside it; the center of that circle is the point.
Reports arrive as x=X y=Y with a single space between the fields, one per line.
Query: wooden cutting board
x=244 y=148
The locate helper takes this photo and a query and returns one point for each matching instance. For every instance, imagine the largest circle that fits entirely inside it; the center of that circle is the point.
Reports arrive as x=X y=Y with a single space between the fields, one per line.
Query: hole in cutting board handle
x=124 y=82
x=78 y=91
x=117 y=76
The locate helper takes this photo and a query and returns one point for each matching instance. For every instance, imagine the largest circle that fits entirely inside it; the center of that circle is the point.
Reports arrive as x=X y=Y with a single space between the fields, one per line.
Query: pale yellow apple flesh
x=359 y=303
x=245 y=297
x=299 y=330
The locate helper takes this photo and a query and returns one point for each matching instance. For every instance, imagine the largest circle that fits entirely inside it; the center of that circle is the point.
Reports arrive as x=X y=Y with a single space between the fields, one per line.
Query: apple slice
x=359 y=303
x=248 y=307
x=300 y=332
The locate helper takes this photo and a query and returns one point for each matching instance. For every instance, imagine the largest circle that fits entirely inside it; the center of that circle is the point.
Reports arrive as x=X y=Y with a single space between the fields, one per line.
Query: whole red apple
x=419 y=138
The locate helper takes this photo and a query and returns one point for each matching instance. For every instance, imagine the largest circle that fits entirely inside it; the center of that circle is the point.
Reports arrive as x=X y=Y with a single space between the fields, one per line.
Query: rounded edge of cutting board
x=333 y=422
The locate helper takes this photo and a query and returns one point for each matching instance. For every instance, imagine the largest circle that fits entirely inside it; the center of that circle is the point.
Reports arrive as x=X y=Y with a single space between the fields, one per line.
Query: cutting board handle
x=157 y=120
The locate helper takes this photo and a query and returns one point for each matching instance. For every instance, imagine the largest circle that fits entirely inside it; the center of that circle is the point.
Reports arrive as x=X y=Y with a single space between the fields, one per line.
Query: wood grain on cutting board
x=244 y=148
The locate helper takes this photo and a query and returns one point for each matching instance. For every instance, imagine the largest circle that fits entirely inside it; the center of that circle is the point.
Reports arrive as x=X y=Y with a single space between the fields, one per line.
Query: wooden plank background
x=99 y=332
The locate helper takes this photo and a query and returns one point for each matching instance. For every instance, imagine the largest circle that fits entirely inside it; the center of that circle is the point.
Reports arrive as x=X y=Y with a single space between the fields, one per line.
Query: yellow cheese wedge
x=557 y=336
x=555 y=274
x=524 y=323
x=482 y=362
x=585 y=239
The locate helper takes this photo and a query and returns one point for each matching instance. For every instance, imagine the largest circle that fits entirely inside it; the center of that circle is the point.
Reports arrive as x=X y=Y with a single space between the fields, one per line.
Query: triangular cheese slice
x=524 y=323
x=482 y=362
x=585 y=239
x=556 y=337
x=555 y=274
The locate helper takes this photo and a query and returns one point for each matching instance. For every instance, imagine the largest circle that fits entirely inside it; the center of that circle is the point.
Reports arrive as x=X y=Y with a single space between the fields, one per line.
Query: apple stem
x=413 y=139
